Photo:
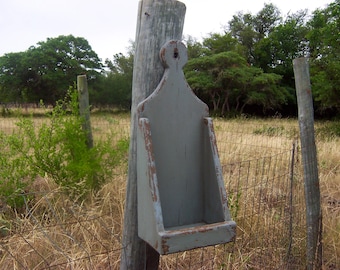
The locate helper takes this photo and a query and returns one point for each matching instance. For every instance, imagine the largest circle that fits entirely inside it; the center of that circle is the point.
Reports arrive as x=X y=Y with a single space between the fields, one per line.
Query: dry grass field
x=266 y=198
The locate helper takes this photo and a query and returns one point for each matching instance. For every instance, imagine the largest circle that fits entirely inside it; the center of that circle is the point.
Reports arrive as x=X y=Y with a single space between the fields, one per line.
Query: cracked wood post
x=310 y=163
x=158 y=22
x=84 y=108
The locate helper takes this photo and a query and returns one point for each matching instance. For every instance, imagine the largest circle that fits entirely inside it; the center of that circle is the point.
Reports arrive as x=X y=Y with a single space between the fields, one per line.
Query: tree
x=217 y=43
x=195 y=48
x=324 y=45
x=12 y=73
x=266 y=20
x=115 y=88
x=285 y=42
x=47 y=70
x=249 y=29
x=227 y=83
x=241 y=27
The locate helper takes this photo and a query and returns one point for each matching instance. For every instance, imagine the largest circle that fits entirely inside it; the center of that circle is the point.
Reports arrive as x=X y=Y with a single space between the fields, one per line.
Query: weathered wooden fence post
x=310 y=164
x=84 y=107
x=158 y=22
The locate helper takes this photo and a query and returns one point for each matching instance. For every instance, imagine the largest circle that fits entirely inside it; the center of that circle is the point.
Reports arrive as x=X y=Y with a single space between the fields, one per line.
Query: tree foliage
x=249 y=29
x=284 y=43
x=323 y=36
x=44 y=72
x=267 y=44
x=248 y=67
x=229 y=84
x=115 y=88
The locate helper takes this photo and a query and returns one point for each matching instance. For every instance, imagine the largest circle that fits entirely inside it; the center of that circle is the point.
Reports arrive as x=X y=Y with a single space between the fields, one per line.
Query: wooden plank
x=84 y=108
x=158 y=21
x=310 y=163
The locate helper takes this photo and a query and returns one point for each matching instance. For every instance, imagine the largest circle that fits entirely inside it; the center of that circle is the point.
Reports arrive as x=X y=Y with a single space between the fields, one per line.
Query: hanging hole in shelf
x=175 y=53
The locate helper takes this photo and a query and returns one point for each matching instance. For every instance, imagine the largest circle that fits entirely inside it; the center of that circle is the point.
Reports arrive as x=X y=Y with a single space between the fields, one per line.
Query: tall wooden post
x=310 y=163
x=158 y=22
x=84 y=108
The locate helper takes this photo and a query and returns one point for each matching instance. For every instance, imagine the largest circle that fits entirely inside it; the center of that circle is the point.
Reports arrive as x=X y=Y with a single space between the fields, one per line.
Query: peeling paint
x=174 y=194
x=165 y=247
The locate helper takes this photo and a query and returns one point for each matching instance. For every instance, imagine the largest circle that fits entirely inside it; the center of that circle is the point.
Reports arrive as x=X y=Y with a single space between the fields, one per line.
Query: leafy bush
x=57 y=149
x=15 y=173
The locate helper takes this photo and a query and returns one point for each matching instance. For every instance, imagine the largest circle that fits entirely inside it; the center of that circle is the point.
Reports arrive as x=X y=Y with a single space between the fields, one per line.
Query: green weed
x=57 y=149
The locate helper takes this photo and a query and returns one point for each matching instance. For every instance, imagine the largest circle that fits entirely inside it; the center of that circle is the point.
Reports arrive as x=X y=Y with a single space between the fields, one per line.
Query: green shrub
x=57 y=149
x=15 y=172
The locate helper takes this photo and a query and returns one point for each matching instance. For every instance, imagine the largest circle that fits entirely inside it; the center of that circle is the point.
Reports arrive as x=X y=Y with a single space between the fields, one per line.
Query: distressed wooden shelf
x=182 y=201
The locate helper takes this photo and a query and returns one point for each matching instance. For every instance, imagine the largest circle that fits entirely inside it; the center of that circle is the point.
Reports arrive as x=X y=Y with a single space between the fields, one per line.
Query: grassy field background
x=266 y=198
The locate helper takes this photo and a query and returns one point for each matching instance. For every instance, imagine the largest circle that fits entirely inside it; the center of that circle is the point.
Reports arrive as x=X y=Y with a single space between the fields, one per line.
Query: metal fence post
x=157 y=22
x=310 y=164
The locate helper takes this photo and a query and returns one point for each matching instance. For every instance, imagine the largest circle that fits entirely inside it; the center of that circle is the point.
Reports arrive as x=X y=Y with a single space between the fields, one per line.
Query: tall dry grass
x=53 y=232
x=329 y=174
